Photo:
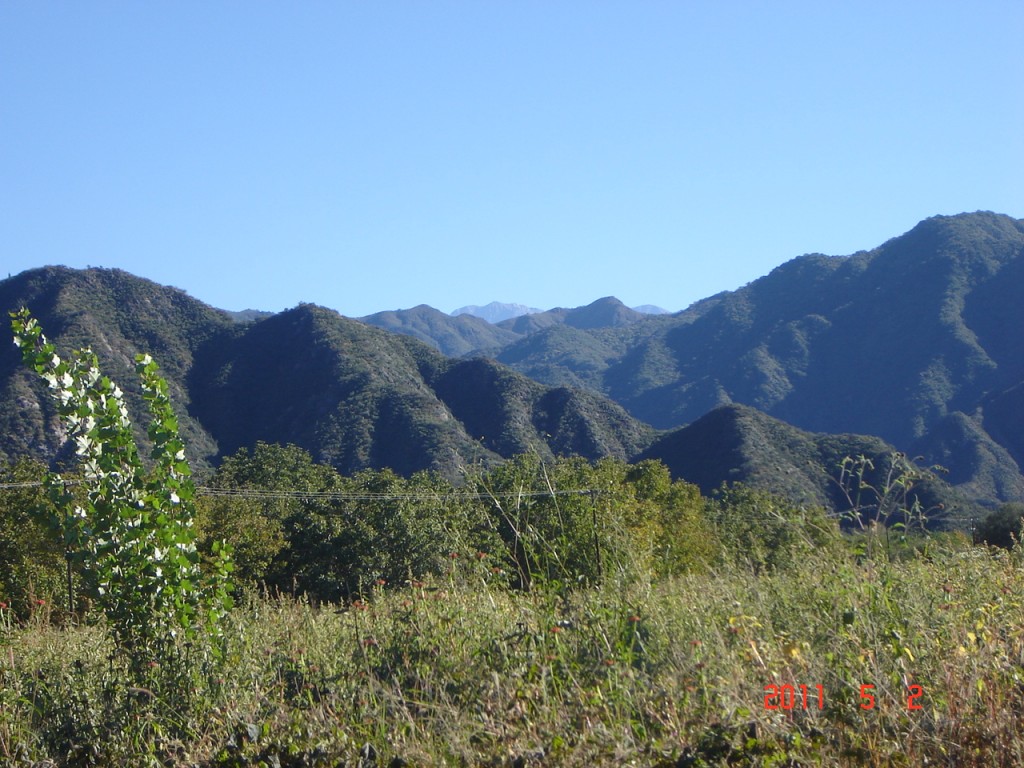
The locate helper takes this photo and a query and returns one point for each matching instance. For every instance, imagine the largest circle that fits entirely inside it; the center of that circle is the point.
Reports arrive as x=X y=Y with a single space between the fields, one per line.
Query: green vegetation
x=540 y=612
x=812 y=344
x=1004 y=527
x=129 y=532
x=32 y=566
x=514 y=591
x=457 y=668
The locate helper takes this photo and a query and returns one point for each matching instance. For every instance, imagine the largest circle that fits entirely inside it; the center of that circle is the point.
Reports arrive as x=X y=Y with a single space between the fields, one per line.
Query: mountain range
x=915 y=345
x=496 y=311
x=919 y=341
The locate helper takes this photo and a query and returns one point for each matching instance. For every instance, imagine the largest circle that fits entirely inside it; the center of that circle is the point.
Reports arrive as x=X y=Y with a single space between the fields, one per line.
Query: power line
x=257 y=493
x=260 y=493
x=297 y=495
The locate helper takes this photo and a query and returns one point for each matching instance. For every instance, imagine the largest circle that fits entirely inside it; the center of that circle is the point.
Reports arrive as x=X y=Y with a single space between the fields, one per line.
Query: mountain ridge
x=912 y=342
x=887 y=342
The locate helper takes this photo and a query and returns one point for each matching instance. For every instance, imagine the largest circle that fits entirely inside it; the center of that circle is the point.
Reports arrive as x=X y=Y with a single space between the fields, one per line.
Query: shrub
x=32 y=566
x=572 y=522
x=1003 y=527
x=766 y=530
x=131 y=532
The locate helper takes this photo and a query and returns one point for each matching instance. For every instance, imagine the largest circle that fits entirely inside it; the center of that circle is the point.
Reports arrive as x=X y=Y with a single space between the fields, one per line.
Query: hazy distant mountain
x=650 y=309
x=454 y=335
x=495 y=312
x=464 y=334
x=248 y=315
x=608 y=312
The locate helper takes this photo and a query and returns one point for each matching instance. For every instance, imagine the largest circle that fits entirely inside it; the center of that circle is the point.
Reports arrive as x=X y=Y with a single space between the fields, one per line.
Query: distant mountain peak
x=607 y=312
x=496 y=311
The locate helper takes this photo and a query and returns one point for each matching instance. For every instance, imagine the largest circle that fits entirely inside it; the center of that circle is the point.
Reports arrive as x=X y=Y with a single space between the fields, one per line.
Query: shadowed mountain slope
x=352 y=395
x=889 y=342
x=735 y=443
x=118 y=315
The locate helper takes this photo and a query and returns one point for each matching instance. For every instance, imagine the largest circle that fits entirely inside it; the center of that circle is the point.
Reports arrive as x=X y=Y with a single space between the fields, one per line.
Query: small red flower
x=40 y=602
x=481 y=555
x=634 y=619
x=382 y=582
x=695 y=643
x=609 y=662
x=556 y=629
x=453 y=555
x=3 y=605
x=369 y=642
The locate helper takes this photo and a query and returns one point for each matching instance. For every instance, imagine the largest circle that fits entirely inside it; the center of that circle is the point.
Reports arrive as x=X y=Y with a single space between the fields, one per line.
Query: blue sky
x=378 y=155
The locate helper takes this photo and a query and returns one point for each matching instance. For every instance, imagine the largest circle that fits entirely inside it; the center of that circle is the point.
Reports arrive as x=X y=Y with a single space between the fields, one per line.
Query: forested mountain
x=453 y=335
x=352 y=395
x=758 y=450
x=465 y=333
x=918 y=342
x=117 y=315
x=357 y=397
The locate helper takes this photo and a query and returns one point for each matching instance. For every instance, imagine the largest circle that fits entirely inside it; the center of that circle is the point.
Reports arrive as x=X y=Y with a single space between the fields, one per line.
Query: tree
x=767 y=531
x=132 y=532
x=32 y=563
x=1002 y=526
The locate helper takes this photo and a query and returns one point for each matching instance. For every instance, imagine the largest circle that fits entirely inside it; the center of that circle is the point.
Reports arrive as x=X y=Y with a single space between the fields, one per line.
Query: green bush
x=767 y=531
x=1003 y=527
x=381 y=530
x=572 y=522
x=32 y=565
x=130 y=528
x=298 y=526
x=252 y=497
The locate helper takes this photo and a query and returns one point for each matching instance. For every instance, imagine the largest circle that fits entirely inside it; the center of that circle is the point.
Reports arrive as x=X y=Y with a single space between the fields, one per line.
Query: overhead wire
x=301 y=495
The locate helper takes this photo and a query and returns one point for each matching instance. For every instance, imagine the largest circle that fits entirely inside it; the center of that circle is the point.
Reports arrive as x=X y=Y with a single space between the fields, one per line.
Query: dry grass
x=461 y=672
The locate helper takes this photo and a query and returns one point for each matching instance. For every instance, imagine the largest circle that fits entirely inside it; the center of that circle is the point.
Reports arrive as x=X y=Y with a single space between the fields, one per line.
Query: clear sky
x=378 y=155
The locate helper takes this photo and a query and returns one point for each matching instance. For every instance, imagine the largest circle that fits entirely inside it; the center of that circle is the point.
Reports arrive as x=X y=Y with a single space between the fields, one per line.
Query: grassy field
x=462 y=671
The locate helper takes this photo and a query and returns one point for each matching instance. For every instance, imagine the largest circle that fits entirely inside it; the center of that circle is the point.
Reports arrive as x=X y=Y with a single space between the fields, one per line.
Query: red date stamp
x=801 y=697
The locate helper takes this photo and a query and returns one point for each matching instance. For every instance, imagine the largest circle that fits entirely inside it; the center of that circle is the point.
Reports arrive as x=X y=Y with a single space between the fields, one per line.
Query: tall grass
x=463 y=671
